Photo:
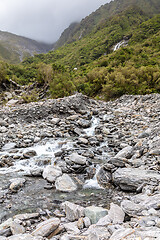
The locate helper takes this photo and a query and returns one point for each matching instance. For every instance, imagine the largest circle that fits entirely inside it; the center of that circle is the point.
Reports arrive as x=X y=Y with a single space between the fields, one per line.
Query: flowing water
x=35 y=195
x=121 y=43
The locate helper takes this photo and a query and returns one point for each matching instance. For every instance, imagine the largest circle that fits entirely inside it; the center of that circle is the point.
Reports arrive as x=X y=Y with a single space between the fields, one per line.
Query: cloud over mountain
x=43 y=20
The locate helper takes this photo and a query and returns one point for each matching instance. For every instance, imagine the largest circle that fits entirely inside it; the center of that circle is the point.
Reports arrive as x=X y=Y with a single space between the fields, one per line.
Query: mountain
x=14 y=48
x=150 y=7
x=119 y=55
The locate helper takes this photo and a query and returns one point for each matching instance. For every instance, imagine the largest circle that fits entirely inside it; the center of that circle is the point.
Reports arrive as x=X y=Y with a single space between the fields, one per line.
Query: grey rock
x=97 y=232
x=95 y=213
x=45 y=228
x=25 y=237
x=123 y=234
x=72 y=228
x=126 y=152
x=50 y=173
x=73 y=212
x=130 y=179
x=65 y=183
x=116 y=214
x=16 y=228
x=87 y=222
x=8 y=146
x=26 y=216
x=16 y=183
x=77 y=159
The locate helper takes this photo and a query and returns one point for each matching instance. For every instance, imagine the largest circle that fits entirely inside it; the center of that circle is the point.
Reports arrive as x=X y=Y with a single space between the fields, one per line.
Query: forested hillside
x=91 y=66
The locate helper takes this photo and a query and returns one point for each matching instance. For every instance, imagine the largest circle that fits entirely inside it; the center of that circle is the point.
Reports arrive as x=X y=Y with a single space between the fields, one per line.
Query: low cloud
x=43 y=20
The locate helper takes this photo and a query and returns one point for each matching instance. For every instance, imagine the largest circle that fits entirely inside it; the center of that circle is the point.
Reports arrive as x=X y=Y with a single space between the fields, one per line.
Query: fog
x=43 y=20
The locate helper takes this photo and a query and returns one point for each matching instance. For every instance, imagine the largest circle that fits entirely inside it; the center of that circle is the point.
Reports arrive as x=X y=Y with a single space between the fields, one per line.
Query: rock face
x=65 y=184
x=129 y=179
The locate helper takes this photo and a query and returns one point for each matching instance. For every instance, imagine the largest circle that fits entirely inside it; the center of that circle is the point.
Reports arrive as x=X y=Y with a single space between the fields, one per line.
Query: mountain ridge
x=14 y=48
x=150 y=7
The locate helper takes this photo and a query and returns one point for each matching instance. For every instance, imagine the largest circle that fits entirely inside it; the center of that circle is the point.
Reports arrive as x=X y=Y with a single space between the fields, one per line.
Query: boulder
x=95 y=213
x=9 y=146
x=16 y=184
x=129 y=179
x=77 y=159
x=72 y=228
x=126 y=152
x=116 y=214
x=50 y=173
x=96 y=233
x=73 y=212
x=65 y=183
x=45 y=228
x=123 y=234
x=16 y=228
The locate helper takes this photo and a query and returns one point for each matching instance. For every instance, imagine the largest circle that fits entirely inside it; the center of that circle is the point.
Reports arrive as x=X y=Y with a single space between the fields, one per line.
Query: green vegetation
x=89 y=65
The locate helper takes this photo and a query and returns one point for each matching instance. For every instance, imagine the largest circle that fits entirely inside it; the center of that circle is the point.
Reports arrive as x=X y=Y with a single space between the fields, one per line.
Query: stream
x=37 y=194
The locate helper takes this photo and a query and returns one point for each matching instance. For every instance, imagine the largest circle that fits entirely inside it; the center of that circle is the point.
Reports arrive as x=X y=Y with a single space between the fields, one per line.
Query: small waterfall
x=90 y=131
x=44 y=151
x=121 y=43
x=93 y=183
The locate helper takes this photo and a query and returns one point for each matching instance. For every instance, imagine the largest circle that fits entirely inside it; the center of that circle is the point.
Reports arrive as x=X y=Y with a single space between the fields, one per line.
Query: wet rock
x=129 y=179
x=36 y=171
x=95 y=213
x=84 y=123
x=73 y=212
x=29 y=154
x=9 y=146
x=65 y=184
x=83 y=141
x=45 y=228
x=77 y=159
x=16 y=184
x=50 y=173
x=104 y=178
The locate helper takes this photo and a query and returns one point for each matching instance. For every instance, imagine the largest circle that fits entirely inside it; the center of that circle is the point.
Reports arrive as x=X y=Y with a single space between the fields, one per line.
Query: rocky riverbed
x=76 y=168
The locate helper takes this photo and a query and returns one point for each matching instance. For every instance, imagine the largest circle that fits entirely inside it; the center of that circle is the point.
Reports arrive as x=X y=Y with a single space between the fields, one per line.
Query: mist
x=43 y=20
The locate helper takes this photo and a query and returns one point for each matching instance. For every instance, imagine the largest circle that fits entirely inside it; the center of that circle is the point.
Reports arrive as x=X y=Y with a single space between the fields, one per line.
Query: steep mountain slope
x=14 y=48
x=150 y=7
x=91 y=66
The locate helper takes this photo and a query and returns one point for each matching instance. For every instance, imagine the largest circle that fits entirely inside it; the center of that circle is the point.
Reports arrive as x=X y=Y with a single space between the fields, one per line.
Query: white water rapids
x=46 y=151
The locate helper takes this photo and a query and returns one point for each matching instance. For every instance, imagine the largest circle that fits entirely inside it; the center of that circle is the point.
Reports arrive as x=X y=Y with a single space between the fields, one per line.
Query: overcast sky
x=43 y=20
